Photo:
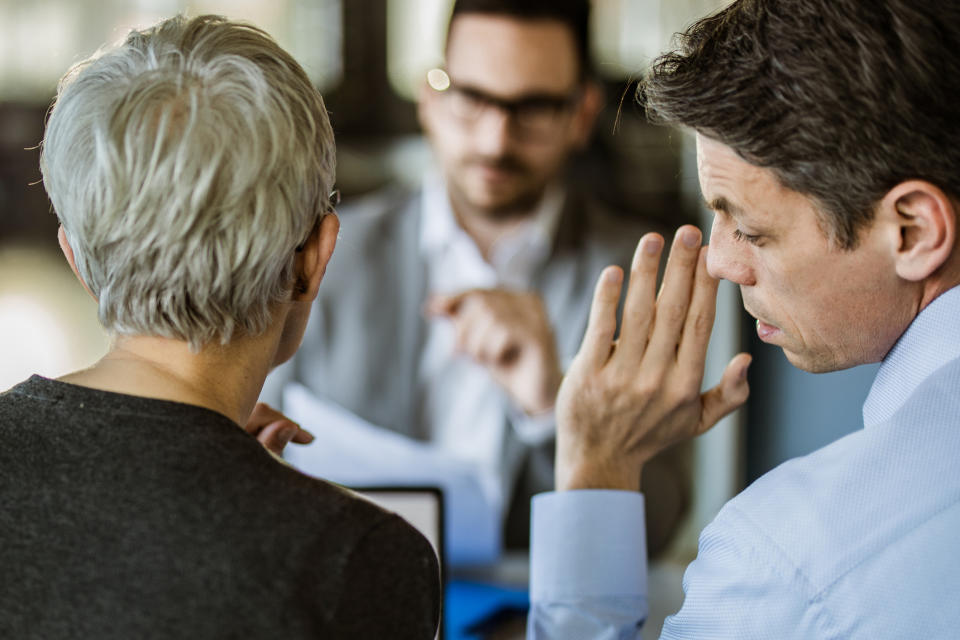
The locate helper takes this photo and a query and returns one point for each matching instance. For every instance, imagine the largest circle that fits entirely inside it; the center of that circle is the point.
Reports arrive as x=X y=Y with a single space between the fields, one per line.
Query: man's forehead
x=744 y=191
x=508 y=56
x=713 y=154
x=725 y=177
x=750 y=194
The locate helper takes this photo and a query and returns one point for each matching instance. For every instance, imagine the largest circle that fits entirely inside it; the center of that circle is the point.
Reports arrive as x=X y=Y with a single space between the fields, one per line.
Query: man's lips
x=493 y=172
x=766 y=331
x=497 y=171
x=501 y=167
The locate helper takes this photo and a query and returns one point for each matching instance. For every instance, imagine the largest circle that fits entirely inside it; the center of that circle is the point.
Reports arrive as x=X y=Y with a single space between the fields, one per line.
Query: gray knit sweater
x=126 y=517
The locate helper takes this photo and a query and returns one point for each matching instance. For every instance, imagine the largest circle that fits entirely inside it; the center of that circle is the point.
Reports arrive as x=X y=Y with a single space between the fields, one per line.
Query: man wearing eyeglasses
x=477 y=286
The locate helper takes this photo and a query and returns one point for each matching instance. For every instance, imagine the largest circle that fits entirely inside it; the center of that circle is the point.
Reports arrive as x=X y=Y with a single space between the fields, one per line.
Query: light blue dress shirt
x=860 y=539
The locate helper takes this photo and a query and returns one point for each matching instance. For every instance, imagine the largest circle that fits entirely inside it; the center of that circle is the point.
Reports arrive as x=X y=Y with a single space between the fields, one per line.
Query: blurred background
x=367 y=57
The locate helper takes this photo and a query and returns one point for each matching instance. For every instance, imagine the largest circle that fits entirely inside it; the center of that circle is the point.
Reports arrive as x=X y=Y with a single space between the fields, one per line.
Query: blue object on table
x=472 y=608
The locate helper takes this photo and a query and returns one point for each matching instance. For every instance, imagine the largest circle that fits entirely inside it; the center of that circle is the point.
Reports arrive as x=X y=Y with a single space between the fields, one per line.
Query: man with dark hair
x=829 y=152
x=475 y=288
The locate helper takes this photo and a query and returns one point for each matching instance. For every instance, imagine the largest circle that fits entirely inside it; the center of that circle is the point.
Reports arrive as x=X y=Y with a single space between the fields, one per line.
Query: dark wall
x=792 y=413
x=25 y=213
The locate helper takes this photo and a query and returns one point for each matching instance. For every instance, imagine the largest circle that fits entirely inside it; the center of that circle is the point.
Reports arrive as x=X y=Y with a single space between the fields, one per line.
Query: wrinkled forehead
x=752 y=195
x=508 y=56
x=724 y=174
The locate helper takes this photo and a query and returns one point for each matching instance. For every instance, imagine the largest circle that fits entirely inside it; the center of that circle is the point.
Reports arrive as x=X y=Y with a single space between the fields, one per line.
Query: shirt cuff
x=587 y=543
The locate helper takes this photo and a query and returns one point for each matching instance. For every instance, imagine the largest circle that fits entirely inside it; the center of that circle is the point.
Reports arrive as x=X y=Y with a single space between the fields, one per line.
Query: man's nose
x=494 y=132
x=727 y=258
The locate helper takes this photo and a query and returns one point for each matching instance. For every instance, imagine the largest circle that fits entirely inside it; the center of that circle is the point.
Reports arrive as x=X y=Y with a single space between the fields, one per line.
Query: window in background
x=415 y=39
x=39 y=40
x=627 y=35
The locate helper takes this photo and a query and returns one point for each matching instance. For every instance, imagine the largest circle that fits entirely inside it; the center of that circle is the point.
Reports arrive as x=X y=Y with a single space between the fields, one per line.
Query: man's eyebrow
x=724 y=205
x=532 y=96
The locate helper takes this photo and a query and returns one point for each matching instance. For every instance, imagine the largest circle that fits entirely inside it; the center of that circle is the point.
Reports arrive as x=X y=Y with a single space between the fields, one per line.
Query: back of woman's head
x=186 y=165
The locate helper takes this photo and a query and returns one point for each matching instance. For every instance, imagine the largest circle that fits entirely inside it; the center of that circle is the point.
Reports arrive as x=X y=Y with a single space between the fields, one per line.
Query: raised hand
x=623 y=401
x=509 y=333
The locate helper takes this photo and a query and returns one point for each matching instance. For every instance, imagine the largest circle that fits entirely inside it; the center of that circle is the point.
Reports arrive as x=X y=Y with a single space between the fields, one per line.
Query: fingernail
x=613 y=276
x=691 y=237
x=652 y=245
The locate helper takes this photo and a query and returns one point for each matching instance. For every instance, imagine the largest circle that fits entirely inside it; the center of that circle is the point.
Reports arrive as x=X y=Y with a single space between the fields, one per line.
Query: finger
x=276 y=435
x=302 y=436
x=729 y=394
x=638 y=308
x=674 y=299
x=602 y=324
x=460 y=335
x=468 y=324
x=480 y=339
x=443 y=305
x=502 y=347
x=262 y=415
x=692 y=354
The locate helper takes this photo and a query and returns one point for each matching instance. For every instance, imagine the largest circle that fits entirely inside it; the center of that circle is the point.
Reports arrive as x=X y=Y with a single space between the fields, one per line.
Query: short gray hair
x=186 y=165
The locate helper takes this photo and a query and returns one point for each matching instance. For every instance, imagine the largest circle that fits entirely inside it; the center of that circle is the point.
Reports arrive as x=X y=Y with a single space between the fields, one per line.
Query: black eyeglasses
x=534 y=116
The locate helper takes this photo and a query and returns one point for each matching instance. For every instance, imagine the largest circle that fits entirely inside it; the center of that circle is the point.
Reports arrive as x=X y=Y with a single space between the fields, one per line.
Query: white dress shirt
x=466 y=410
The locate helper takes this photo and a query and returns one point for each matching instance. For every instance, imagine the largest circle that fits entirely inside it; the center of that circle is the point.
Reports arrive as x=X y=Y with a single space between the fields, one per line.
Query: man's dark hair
x=575 y=14
x=841 y=99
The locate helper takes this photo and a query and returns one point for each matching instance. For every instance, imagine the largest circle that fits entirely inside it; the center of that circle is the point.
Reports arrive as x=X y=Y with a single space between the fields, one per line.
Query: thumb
x=442 y=305
x=729 y=394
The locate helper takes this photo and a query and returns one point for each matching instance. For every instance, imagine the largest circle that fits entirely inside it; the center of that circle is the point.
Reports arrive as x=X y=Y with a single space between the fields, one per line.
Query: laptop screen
x=420 y=506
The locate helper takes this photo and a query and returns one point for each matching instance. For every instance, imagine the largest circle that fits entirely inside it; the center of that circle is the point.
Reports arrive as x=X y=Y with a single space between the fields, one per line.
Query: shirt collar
x=931 y=341
x=534 y=240
x=437 y=223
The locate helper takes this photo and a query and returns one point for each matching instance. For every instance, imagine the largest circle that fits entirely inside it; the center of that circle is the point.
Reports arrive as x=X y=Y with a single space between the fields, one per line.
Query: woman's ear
x=312 y=259
x=927 y=222
x=71 y=260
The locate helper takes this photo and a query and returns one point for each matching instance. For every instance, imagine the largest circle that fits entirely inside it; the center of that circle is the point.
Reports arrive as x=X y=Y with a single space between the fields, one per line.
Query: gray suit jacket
x=363 y=346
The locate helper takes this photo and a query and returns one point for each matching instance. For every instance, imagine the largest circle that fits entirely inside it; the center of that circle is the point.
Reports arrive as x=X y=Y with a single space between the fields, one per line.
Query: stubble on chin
x=481 y=201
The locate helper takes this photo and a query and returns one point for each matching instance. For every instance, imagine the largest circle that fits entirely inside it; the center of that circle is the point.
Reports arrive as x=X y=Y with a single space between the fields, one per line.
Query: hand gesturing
x=623 y=401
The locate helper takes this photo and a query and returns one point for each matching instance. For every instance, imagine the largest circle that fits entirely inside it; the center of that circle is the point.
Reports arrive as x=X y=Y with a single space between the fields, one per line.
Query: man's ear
x=927 y=222
x=312 y=260
x=587 y=110
x=71 y=260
